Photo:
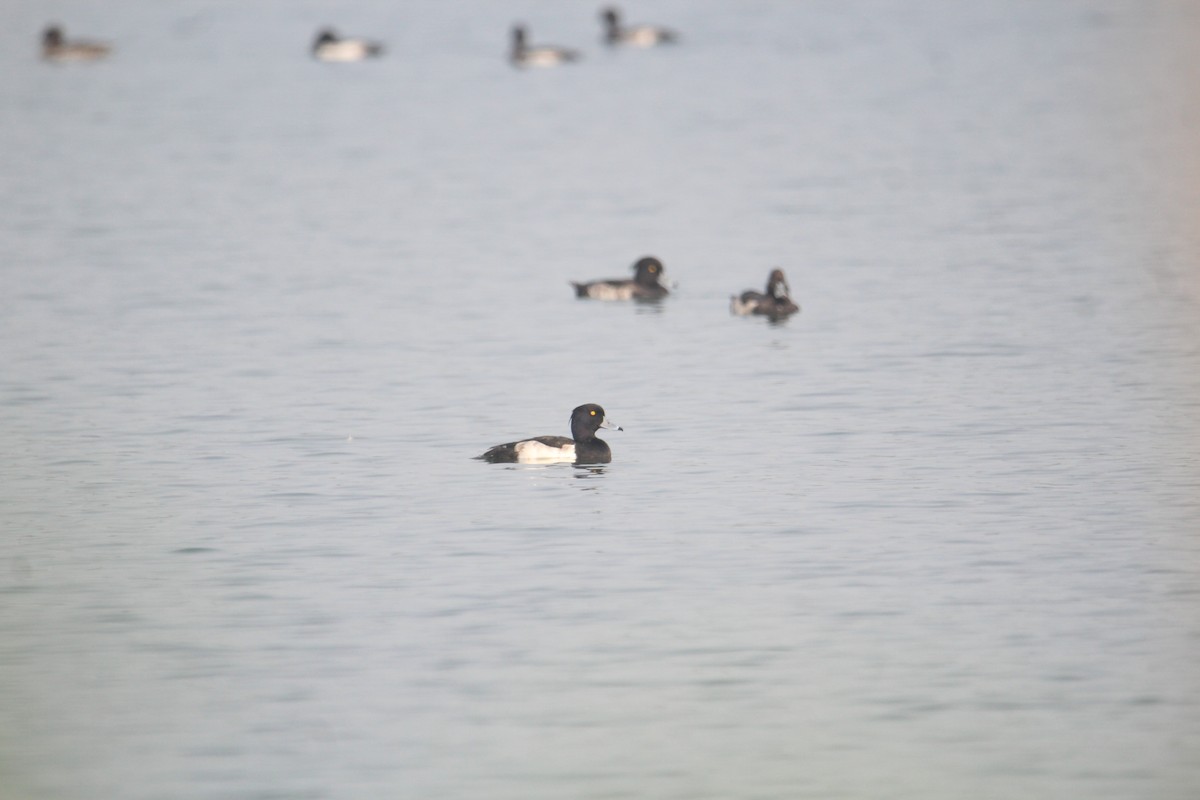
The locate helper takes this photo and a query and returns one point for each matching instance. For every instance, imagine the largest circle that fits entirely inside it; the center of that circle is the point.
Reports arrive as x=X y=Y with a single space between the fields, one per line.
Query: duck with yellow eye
x=646 y=284
x=583 y=448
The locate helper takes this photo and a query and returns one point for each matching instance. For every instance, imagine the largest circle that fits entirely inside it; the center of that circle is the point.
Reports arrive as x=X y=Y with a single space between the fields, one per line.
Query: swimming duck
x=544 y=56
x=646 y=284
x=582 y=448
x=55 y=47
x=328 y=46
x=775 y=303
x=634 y=35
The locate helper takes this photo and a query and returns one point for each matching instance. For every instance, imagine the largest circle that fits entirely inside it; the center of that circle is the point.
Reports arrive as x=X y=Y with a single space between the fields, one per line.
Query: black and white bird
x=524 y=55
x=646 y=284
x=55 y=47
x=582 y=448
x=328 y=46
x=776 y=302
x=633 y=35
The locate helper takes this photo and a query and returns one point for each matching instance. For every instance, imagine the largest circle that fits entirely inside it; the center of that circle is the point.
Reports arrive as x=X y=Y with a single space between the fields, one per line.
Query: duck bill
x=612 y=426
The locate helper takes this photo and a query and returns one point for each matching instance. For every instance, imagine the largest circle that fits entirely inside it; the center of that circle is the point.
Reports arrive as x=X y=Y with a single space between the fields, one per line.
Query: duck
x=582 y=448
x=775 y=302
x=523 y=55
x=55 y=47
x=328 y=46
x=645 y=285
x=633 y=35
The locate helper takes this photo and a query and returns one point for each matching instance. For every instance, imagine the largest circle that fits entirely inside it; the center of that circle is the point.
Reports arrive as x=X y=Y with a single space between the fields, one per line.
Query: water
x=934 y=537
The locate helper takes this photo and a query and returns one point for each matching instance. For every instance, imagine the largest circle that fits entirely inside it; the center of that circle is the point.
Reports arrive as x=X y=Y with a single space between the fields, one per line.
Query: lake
x=935 y=536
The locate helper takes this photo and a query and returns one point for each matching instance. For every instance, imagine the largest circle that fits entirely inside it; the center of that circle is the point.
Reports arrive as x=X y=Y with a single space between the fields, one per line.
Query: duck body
x=328 y=46
x=55 y=47
x=522 y=55
x=584 y=448
x=775 y=302
x=616 y=34
x=646 y=284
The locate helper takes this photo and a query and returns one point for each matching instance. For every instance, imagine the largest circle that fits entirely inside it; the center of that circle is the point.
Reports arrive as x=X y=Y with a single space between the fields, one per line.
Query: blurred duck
x=645 y=285
x=633 y=35
x=55 y=47
x=582 y=448
x=545 y=56
x=775 y=303
x=328 y=46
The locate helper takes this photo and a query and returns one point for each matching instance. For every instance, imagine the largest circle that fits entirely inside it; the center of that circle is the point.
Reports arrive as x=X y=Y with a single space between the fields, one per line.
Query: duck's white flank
x=533 y=451
x=607 y=291
x=345 y=50
x=542 y=57
x=642 y=36
x=738 y=307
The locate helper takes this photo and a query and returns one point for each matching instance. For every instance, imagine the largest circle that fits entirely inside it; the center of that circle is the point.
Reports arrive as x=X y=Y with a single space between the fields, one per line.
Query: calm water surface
x=934 y=537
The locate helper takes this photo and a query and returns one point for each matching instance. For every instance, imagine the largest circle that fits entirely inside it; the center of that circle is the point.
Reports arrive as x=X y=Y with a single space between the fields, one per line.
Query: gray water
x=933 y=537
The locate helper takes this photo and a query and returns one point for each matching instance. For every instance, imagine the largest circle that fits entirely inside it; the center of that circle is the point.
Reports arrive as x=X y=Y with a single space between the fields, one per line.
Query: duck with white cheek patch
x=775 y=303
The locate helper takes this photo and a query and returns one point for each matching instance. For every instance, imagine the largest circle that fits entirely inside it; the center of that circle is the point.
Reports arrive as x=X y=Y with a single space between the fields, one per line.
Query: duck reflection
x=654 y=306
x=589 y=473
